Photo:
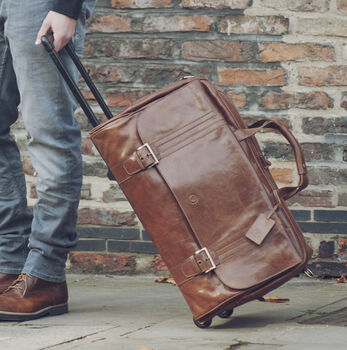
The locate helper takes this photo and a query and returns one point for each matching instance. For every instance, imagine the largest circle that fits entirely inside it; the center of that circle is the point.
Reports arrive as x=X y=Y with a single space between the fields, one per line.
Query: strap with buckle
x=201 y=262
x=143 y=158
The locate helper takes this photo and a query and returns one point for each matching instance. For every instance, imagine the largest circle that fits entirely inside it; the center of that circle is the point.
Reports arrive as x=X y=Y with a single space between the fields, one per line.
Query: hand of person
x=63 y=28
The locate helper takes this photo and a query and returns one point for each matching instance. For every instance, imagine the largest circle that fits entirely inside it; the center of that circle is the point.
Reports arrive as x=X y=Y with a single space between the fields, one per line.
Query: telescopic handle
x=71 y=83
x=73 y=86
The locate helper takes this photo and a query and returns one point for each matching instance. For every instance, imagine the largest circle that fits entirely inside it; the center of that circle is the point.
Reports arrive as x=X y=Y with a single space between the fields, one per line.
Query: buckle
x=151 y=153
x=205 y=250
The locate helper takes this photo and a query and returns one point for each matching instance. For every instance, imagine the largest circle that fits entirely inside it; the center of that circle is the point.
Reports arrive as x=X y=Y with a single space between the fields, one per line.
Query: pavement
x=135 y=313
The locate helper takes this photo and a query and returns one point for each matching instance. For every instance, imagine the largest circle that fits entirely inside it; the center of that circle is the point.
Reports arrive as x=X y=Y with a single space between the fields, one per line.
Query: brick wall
x=275 y=58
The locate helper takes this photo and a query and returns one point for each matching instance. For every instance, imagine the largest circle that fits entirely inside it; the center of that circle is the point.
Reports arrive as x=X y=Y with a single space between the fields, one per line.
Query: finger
x=45 y=27
x=60 y=41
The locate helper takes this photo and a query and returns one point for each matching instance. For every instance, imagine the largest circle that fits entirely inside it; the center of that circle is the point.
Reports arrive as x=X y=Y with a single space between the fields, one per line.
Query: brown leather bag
x=198 y=181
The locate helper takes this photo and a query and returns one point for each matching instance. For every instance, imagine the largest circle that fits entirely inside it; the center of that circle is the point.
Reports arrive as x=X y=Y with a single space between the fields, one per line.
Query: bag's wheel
x=226 y=313
x=205 y=324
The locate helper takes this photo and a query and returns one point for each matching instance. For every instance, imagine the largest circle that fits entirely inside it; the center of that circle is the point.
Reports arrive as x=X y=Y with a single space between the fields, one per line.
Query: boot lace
x=17 y=284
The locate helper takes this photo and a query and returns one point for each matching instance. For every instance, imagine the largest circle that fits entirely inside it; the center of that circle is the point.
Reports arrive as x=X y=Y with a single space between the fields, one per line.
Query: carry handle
x=284 y=192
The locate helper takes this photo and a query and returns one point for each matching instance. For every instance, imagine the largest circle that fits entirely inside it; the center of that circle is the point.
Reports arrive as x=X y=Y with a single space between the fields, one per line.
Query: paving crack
x=78 y=338
x=137 y=330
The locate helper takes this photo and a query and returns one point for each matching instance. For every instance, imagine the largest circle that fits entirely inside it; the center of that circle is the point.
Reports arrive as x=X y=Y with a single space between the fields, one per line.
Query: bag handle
x=284 y=192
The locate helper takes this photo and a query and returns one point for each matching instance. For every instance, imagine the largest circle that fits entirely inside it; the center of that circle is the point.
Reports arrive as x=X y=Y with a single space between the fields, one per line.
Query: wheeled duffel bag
x=199 y=183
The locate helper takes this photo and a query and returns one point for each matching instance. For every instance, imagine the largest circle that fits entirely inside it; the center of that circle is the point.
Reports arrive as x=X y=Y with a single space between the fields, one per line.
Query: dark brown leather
x=198 y=181
x=31 y=297
x=6 y=280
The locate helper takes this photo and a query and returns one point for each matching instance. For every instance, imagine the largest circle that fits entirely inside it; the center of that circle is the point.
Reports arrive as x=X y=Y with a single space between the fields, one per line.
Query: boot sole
x=48 y=311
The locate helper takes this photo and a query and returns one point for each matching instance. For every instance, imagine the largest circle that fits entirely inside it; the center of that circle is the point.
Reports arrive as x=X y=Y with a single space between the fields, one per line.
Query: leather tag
x=260 y=229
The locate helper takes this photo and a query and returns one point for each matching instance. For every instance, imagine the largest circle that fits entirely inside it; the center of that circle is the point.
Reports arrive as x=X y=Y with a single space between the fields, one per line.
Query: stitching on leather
x=190 y=140
x=177 y=139
x=195 y=123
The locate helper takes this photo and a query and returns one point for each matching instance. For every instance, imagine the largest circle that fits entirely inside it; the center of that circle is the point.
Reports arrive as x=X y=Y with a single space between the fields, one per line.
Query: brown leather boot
x=6 y=279
x=30 y=297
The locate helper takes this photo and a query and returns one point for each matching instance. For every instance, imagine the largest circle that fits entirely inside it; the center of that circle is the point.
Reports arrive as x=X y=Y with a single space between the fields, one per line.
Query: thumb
x=45 y=27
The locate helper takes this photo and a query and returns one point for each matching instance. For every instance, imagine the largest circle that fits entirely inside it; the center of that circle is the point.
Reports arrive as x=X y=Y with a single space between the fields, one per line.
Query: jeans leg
x=15 y=217
x=48 y=113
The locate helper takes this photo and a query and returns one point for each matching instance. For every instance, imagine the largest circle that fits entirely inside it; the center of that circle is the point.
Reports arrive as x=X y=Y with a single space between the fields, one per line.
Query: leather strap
x=284 y=192
x=202 y=261
x=143 y=158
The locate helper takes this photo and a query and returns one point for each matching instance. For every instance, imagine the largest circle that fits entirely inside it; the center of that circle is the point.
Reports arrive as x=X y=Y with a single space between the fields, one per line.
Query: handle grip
x=284 y=192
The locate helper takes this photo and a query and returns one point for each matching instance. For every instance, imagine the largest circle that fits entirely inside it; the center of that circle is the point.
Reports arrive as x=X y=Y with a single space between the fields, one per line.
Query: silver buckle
x=209 y=257
x=156 y=160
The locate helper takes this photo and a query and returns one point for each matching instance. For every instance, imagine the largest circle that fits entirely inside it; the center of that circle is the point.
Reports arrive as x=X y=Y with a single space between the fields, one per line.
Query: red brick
x=342 y=5
x=33 y=192
x=86 y=191
x=217 y=50
x=303 y=100
x=326 y=249
x=344 y=100
x=297 y=5
x=342 y=245
x=88 y=49
x=177 y=23
x=251 y=77
x=239 y=99
x=327 y=175
x=102 y=263
x=318 y=151
x=135 y=4
x=323 y=268
x=323 y=76
x=281 y=52
x=28 y=167
x=84 y=123
x=131 y=48
x=88 y=96
x=158 y=264
x=113 y=194
x=111 y=73
x=312 y=198
x=110 y=24
x=324 y=26
x=164 y=74
x=342 y=199
x=322 y=126
x=87 y=147
x=105 y=216
x=216 y=4
x=118 y=99
x=275 y=25
x=282 y=175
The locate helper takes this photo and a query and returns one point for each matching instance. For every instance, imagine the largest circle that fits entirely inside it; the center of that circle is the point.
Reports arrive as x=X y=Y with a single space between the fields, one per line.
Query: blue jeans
x=37 y=242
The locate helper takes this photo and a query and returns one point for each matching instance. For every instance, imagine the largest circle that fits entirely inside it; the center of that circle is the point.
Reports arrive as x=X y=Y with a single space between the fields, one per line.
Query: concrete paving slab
x=134 y=312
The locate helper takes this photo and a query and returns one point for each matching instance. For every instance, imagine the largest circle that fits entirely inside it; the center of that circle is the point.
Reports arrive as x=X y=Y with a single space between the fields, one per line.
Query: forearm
x=70 y=8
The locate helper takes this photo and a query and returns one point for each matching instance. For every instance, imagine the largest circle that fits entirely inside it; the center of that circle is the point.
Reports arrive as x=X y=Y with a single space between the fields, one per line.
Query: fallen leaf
x=273 y=300
x=342 y=279
x=166 y=279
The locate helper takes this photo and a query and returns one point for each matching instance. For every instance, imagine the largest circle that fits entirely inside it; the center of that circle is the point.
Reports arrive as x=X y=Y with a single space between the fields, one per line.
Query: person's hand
x=63 y=28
